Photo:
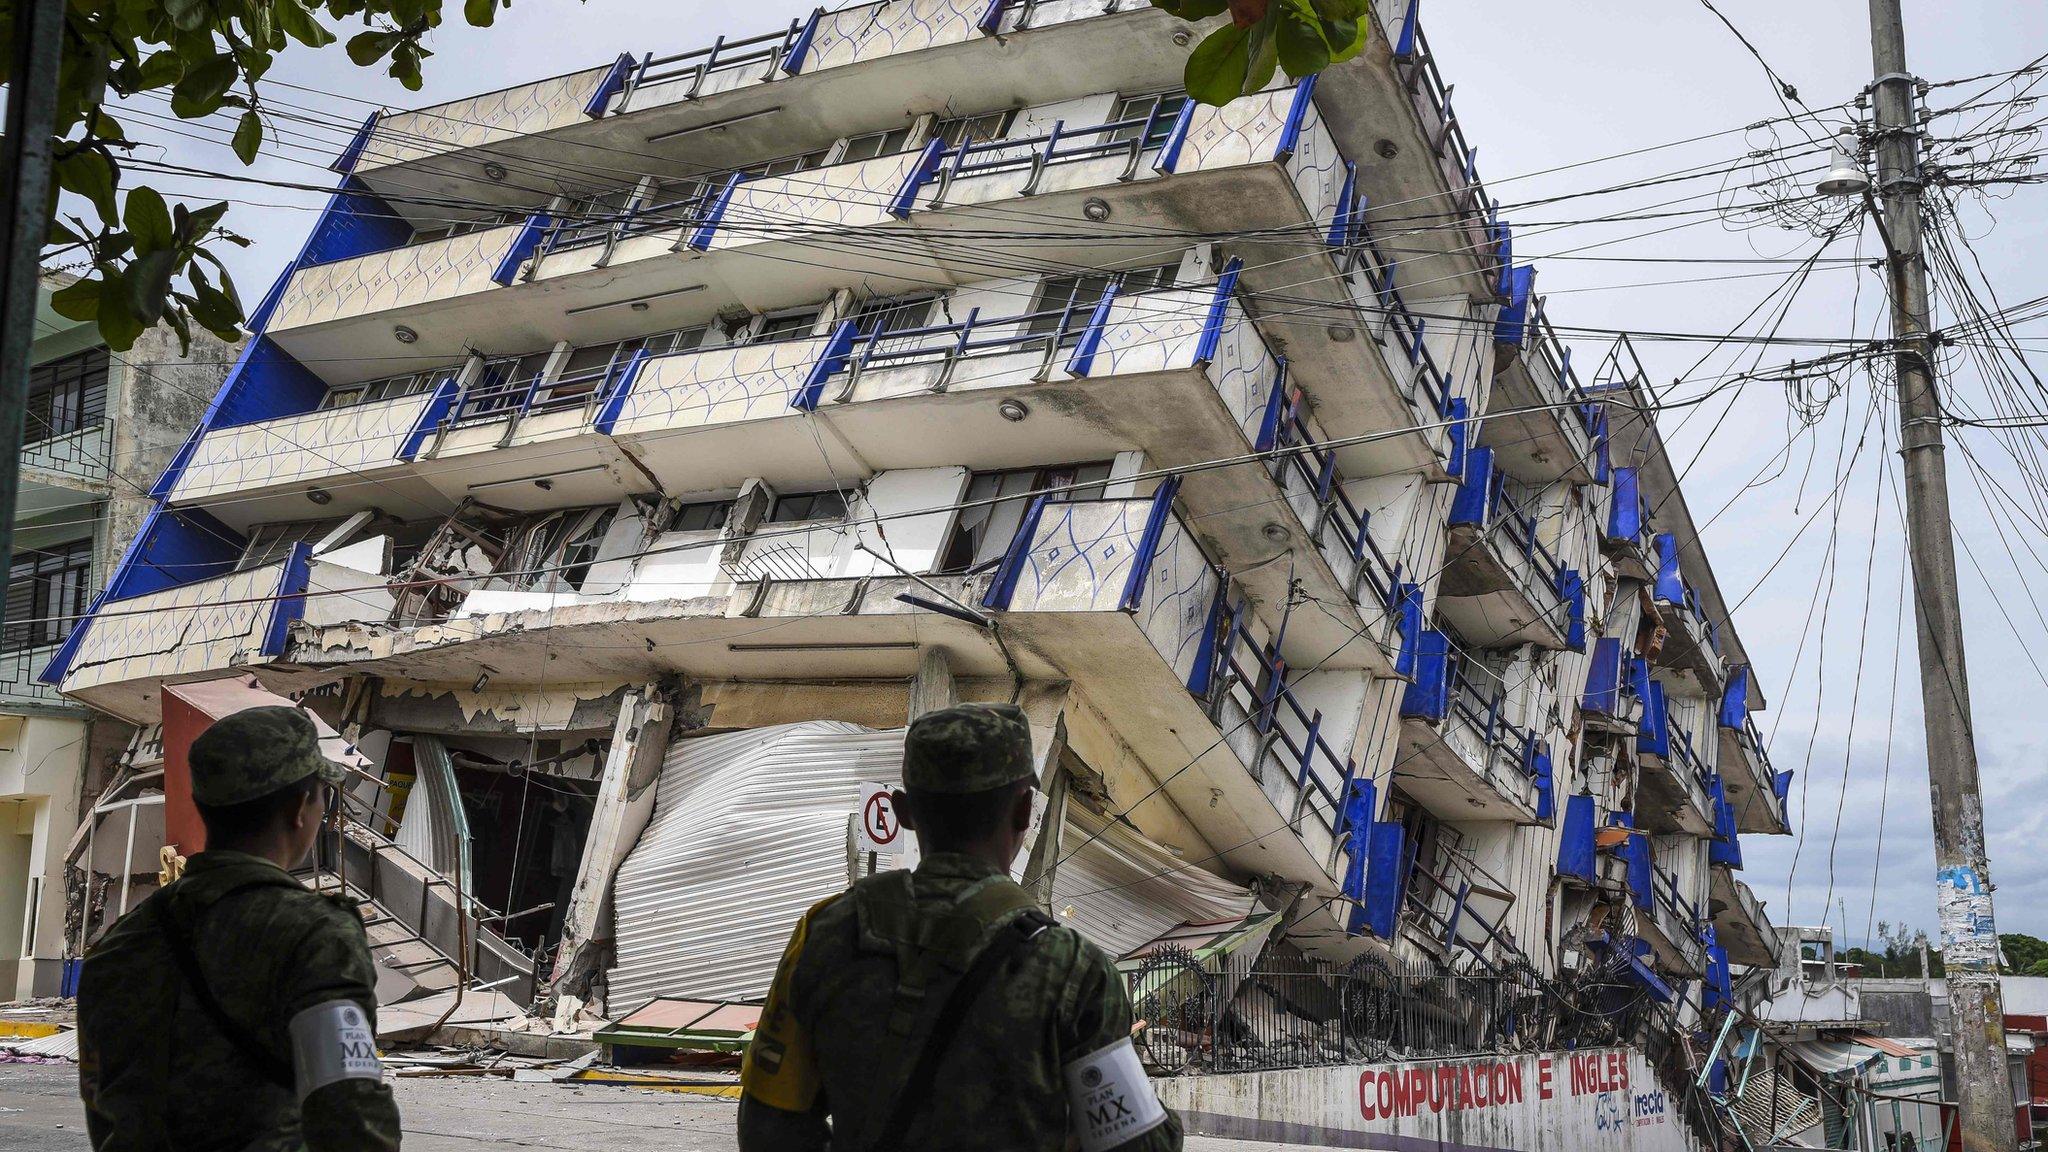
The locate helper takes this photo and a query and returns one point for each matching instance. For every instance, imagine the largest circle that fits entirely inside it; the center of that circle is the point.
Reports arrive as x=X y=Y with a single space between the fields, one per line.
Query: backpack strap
x=277 y=1071
x=1010 y=940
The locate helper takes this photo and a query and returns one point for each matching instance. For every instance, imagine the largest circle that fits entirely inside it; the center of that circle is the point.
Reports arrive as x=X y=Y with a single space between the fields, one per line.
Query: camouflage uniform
x=837 y=1038
x=155 y=1069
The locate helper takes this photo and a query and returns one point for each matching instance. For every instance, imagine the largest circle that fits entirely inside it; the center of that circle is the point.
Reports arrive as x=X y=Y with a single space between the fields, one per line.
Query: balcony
x=1181 y=373
x=1740 y=924
x=122 y=656
x=1672 y=793
x=1500 y=585
x=1117 y=596
x=1757 y=793
x=1673 y=927
x=1455 y=906
x=1692 y=644
x=19 y=688
x=63 y=471
x=1540 y=425
x=1461 y=756
x=1610 y=703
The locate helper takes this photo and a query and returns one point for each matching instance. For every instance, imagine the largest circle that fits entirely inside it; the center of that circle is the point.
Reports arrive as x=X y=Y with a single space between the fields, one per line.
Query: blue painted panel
x=1428 y=696
x=1219 y=308
x=1571 y=587
x=1513 y=325
x=927 y=164
x=1204 y=672
x=290 y=604
x=1004 y=585
x=355 y=223
x=1546 y=794
x=1625 y=506
x=1670 y=583
x=1475 y=489
x=609 y=86
x=1408 y=604
x=524 y=243
x=1645 y=975
x=1653 y=738
x=1169 y=152
x=431 y=415
x=831 y=361
x=1385 y=879
x=353 y=151
x=1735 y=698
x=1456 y=410
x=1148 y=543
x=1603 y=678
x=1575 y=851
x=1782 y=785
x=1725 y=848
x=1297 y=113
x=1635 y=854
x=801 y=46
x=1360 y=806
x=1090 y=343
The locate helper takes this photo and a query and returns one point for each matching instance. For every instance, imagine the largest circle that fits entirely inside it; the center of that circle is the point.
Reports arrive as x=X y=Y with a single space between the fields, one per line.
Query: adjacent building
x=99 y=427
x=627 y=455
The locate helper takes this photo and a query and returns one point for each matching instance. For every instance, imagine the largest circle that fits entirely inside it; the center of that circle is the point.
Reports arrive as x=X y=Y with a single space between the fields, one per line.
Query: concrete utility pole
x=27 y=170
x=1969 y=936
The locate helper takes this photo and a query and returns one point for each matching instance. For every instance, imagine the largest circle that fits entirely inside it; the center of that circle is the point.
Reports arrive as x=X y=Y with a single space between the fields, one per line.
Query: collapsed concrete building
x=628 y=455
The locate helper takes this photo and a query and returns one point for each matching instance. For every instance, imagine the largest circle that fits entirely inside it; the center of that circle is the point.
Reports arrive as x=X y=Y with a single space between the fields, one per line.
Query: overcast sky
x=1542 y=87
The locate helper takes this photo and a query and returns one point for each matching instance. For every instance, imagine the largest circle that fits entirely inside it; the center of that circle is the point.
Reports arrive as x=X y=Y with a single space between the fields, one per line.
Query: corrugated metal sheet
x=749 y=830
x=435 y=828
x=1121 y=890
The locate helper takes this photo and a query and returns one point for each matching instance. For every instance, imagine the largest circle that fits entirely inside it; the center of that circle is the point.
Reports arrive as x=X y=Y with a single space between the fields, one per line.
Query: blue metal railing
x=1456 y=158
x=782 y=49
x=1317 y=466
x=1255 y=674
x=1034 y=154
x=1688 y=757
x=1487 y=715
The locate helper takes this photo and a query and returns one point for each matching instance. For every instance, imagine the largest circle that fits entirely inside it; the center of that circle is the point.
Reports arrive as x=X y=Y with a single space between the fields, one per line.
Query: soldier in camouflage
x=940 y=1008
x=235 y=1008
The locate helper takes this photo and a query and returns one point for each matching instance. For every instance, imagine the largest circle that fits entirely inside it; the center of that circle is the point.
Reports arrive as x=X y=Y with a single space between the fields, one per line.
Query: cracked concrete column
x=625 y=803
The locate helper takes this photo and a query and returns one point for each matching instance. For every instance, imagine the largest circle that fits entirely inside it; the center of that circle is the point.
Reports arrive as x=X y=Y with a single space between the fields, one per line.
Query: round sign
x=879 y=818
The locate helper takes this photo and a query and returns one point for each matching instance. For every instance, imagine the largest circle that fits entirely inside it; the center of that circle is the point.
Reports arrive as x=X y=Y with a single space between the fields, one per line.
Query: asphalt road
x=39 y=1112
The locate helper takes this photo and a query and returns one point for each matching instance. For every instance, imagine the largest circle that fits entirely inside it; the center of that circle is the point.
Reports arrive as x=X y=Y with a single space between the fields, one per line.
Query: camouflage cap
x=967 y=748
x=252 y=753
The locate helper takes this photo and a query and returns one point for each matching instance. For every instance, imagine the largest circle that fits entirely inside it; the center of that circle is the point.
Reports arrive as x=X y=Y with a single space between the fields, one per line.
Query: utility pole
x=27 y=169
x=1969 y=936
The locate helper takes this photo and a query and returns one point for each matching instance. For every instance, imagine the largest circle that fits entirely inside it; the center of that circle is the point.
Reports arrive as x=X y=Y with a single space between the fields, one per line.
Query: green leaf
x=79 y=300
x=148 y=280
x=299 y=24
x=187 y=15
x=148 y=220
x=1347 y=38
x=119 y=326
x=1216 y=69
x=160 y=69
x=199 y=92
x=90 y=174
x=249 y=136
x=175 y=317
x=200 y=221
x=1299 y=35
x=405 y=64
x=366 y=48
x=480 y=13
x=1264 y=55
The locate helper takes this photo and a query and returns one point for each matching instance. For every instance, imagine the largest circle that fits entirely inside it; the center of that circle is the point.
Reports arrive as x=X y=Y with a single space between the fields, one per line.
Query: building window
x=957 y=130
x=794 y=324
x=995 y=507
x=446 y=229
x=1167 y=105
x=1067 y=302
x=895 y=314
x=47 y=590
x=707 y=517
x=875 y=144
x=389 y=388
x=806 y=506
x=503 y=383
x=785 y=165
x=66 y=395
x=553 y=552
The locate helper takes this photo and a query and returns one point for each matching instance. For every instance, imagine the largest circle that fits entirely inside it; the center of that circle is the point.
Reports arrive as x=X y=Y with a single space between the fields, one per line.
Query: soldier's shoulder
x=1062 y=944
x=293 y=907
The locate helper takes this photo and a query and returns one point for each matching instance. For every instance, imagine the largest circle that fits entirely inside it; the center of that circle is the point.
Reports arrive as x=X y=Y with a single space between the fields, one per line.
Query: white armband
x=332 y=1041
x=1110 y=1099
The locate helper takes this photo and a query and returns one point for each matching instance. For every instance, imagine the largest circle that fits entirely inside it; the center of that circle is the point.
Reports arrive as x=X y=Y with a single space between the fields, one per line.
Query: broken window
x=444 y=228
x=501 y=385
x=791 y=324
x=705 y=517
x=995 y=506
x=894 y=314
x=433 y=575
x=553 y=551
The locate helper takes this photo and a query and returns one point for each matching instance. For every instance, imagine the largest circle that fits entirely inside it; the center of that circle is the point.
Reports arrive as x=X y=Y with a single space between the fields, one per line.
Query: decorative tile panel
x=1317 y=170
x=360 y=438
x=401 y=278
x=718 y=386
x=1245 y=131
x=538 y=107
x=1080 y=561
x=840 y=196
x=876 y=30
x=208 y=626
